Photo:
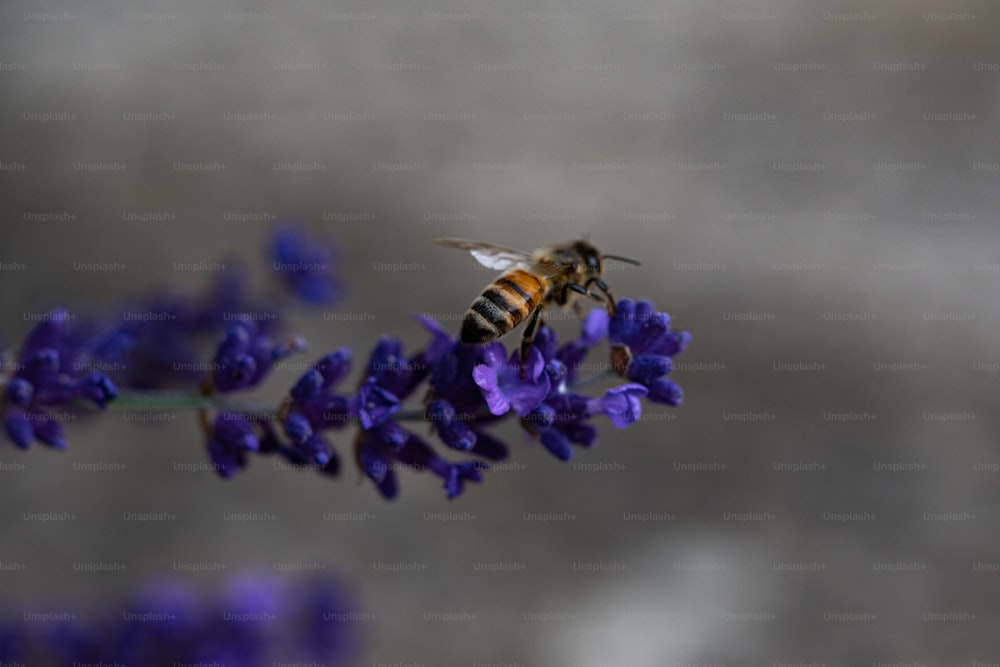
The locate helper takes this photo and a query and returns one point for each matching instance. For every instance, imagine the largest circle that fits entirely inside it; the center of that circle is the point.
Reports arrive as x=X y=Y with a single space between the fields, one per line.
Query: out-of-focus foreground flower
x=256 y=619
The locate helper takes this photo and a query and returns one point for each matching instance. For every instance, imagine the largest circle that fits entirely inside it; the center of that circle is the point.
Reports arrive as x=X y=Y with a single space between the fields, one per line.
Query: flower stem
x=596 y=377
x=158 y=401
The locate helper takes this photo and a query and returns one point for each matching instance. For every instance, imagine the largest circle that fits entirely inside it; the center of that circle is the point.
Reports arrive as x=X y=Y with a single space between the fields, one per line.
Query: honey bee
x=529 y=283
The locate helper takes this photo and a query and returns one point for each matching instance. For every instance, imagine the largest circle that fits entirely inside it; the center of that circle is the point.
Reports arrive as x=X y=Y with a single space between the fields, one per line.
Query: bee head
x=591 y=257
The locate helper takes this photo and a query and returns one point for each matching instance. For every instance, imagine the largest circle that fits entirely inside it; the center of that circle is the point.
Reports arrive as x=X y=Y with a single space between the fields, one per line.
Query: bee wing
x=489 y=255
x=551 y=269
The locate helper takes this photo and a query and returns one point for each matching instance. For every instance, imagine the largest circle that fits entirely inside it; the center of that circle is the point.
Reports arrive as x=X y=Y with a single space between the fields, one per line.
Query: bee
x=529 y=283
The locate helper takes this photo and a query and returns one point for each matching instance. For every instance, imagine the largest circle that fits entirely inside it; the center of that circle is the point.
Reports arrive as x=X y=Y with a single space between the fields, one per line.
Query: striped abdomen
x=502 y=306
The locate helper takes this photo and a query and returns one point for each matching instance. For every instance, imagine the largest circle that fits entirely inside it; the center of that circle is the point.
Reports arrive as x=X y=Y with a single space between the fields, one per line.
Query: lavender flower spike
x=48 y=374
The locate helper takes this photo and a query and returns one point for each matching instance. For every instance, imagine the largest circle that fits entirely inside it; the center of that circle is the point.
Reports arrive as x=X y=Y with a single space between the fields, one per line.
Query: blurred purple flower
x=50 y=371
x=232 y=437
x=380 y=449
x=304 y=265
x=246 y=356
x=256 y=620
x=159 y=342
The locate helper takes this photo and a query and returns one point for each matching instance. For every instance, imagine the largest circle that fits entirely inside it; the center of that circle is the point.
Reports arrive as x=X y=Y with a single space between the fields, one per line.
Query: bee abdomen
x=501 y=307
x=476 y=329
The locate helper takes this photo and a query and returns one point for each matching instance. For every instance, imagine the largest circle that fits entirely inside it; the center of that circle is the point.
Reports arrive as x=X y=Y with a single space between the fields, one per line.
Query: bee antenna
x=627 y=260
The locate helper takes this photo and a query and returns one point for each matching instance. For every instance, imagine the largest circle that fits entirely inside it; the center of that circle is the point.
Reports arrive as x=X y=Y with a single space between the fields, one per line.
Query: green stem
x=158 y=401
x=597 y=377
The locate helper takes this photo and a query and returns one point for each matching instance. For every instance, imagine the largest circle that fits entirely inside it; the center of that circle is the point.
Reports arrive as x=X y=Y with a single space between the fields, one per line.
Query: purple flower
x=160 y=341
x=452 y=378
x=257 y=619
x=593 y=331
x=642 y=347
x=400 y=375
x=620 y=404
x=561 y=421
x=456 y=407
x=503 y=385
x=387 y=444
x=373 y=404
x=50 y=371
x=232 y=437
x=312 y=407
x=304 y=265
x=246 y=356
x=453 y=432
x=464 y=432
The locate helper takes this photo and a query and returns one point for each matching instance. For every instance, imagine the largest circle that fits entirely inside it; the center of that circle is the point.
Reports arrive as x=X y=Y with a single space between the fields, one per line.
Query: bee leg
x=579 y=289
x=603 y=286
x=529 y=335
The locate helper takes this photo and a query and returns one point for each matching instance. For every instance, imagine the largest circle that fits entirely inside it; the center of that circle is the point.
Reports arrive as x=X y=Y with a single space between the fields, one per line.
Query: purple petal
x=47 y=429
x=569 y=407
x=388 y=486
x=486 y=377
x=18 y=428
x=440 y=344
x=489 y=447
x=98 y=388
x=545 y=342
x=557 y=444
x=452 y=378
x=453 y=433
x=334 y=367
x=19 y=392
x=290 y=346
x=457 y=436
x=541 y=417
x=528 y=393
x=392 y=435
x=297 y=428
x=316 y=449
x=621 y=404
x=595 y=327
x=304 y=264
x=671 y=344
x=235 y=431
x=374 y=405
x=373 y=463
x=307 y=387
x=49 y=333
x=41 y=368
x=579 y=433
x=622 y=322
x=648 y=367
x=387 y=358
x=330 y=411
x=494 y=355
x=666 y=391
x=571 y=354
x=460 y=473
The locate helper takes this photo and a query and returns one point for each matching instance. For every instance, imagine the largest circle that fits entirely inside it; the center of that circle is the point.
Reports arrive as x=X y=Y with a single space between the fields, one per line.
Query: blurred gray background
x=812 y=189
